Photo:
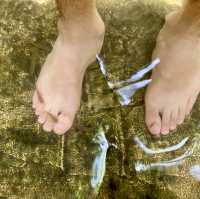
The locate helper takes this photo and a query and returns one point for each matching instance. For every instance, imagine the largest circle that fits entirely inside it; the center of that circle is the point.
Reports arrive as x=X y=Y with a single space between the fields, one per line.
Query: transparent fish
x=135 y=77
x=127 y=92
x=195 y=172
x=140 y=167
x=165 y=164
x=102 y=66
x=158 y=151
x=141 y=73
x=99 y=164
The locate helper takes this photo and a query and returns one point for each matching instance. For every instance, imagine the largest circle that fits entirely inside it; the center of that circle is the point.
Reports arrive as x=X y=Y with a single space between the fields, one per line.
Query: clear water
x=35 y=164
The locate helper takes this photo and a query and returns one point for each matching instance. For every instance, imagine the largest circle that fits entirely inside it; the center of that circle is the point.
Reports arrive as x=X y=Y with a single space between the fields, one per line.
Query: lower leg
x=58 y=88
x=80 y=14
x=76 y=8
x=176 y=82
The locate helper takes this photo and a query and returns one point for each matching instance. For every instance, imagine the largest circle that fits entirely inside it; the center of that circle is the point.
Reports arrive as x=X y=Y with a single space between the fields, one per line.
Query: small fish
x=158 y=151
x=195 y=172
x=102 y=66
x=141 y=73
x=127 y=92
x=139 y=167
x=135 y=77
x=99 y=164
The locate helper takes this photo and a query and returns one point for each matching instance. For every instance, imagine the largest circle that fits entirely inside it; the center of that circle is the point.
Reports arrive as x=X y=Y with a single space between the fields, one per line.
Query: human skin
x=58 y=88
x=176 y=83
x=169 y=98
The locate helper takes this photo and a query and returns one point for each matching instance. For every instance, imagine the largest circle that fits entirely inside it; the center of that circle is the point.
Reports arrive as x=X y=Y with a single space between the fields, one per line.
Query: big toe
x=63 y=124
x=153 y=120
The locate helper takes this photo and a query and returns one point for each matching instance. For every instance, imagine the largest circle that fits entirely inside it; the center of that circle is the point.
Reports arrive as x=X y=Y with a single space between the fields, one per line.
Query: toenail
x=180 y=122
x=155 y=129
x=165 y=132
x=61 y=128
x=173 y=128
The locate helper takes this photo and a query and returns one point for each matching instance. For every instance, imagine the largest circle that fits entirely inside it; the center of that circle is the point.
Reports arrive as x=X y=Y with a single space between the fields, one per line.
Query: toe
x=63 y=125
x=35 y=100
x=153 y=120
x=173 y=119
x=38 y=104
x=49 y=124
x=52 y=110
x=39 y=109
x=190 y=104
x=165 y=122
x=42 y=118
x=181 y=114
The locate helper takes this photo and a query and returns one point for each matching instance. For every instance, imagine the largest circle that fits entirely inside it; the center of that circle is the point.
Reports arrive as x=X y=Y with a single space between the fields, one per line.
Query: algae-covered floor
x=39 y=165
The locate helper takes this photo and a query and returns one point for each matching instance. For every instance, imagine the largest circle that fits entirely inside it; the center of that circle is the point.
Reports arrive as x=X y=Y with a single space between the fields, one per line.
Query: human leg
x=58 y=88
x=176 y=81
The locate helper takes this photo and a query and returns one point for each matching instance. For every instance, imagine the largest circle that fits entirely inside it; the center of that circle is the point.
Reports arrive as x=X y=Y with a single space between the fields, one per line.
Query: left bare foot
x=176 y=81
x=58 y=88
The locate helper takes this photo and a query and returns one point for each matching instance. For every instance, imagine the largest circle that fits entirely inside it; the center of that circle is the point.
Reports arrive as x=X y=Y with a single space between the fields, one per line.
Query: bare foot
x=176 y=81
x=58 y=89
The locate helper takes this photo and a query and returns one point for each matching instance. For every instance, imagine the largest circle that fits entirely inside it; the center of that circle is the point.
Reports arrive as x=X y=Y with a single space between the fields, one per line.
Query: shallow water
x=35 y=164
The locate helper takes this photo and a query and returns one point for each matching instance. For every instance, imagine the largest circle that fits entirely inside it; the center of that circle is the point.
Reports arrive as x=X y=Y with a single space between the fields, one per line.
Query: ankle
x=187 y=19
x=92 y=26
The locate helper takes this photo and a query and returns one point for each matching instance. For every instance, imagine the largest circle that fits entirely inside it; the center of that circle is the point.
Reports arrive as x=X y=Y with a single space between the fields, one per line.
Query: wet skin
x=168 y=101
x=176 y=85
x=58 y=88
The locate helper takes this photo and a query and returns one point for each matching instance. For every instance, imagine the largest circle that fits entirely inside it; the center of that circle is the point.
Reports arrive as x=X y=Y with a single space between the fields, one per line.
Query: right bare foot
x=176 y=81
x=58 y=88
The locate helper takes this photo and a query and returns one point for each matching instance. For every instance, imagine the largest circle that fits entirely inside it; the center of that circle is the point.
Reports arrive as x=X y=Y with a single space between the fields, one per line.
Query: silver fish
x=135 y=77
x=195 y=172
x=127 y=92
x=139 y=167
x=158 y=151
x=141 y=73
x=102 y=66
x=99 y=164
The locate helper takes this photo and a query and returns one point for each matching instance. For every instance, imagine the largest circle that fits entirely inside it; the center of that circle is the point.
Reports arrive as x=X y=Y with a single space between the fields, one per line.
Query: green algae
x=35 y=164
